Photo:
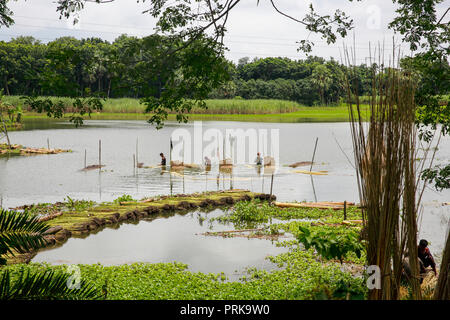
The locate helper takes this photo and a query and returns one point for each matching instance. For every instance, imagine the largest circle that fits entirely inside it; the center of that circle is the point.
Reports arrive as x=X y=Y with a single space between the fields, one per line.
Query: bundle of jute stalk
x=385 y=150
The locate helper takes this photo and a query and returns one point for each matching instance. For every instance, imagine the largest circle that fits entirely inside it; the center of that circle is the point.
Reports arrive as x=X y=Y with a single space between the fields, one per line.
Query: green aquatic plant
x=247 y=214
x=78 y=205
x=124 y=198
x=331 y=244
x=299 y=278
x=254 y=212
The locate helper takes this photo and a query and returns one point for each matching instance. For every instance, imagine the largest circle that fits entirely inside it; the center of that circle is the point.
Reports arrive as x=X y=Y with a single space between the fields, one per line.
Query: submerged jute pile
x=19 y=149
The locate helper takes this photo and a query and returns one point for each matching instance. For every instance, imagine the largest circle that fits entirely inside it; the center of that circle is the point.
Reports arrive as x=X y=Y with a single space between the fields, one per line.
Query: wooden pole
x=262 y=183
x=223 y=150
x=345 y=210
x=314 y=189
x=48 y=144
x=100 y=154
x=137 y=158
x=271 y=188
x=170 y=153
x=312 y=161
x=85 y=158
x=134 y=161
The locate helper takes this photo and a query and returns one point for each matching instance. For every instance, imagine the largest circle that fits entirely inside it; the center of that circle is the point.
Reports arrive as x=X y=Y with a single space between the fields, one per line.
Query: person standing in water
x=163 y=159
x=259 y=159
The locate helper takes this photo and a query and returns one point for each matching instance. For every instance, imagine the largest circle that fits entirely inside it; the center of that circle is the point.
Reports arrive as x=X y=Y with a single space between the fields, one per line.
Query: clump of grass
x=78 y=205
x=241 y=106
x=124 y=198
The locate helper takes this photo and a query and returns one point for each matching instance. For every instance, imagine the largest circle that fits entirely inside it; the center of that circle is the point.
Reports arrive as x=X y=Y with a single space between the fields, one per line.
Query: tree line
x=71 y=67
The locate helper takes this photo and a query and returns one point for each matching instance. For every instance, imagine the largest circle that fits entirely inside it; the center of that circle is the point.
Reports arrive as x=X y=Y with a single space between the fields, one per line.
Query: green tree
x=321 y=78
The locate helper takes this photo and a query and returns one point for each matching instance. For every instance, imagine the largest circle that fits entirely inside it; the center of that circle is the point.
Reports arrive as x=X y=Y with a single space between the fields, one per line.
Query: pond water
x=169 y=238
x=51 y=178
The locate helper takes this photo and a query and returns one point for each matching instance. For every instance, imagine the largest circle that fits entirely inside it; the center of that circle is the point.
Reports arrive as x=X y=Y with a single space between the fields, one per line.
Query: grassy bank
x=218 y=110
x=214 y=106
x=303 y=114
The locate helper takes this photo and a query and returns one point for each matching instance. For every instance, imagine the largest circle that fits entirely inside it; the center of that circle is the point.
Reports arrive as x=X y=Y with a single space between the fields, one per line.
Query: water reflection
x=168 y=238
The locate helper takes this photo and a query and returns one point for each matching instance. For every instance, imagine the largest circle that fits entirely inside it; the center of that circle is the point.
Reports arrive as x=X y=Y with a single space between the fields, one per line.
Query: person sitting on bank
x=425 y=257
x=163 y=159
x=259 y=159
x=207 y=161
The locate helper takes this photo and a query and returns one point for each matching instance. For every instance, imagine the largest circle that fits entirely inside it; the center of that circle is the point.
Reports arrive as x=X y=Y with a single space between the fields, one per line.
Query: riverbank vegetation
x=300 y=273
x=72 y=67
x=327 y=269
x=213 y=106
x=222 y=110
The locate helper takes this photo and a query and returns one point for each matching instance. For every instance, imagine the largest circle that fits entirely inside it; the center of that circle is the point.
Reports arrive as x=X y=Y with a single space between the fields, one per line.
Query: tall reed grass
x=390 y=190
x=214 y=106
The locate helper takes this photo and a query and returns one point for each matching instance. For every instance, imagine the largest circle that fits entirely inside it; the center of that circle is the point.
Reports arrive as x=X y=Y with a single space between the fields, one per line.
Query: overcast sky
x=253 y=31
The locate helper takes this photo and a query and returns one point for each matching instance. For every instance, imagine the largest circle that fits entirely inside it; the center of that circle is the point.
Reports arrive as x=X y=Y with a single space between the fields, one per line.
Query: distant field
x=218 y=110
x=303 y=114
x=215 y=106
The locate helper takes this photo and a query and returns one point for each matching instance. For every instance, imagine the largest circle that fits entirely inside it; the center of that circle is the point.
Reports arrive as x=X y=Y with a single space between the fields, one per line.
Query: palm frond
x=20 y=231
x=47 y=285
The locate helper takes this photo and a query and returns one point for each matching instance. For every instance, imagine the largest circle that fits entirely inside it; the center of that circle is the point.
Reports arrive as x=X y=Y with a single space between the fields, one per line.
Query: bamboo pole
x=345 y=210
x=271 y=187
x=314 y=189
x=137 y=157
x=100 y=154
x=314 y=154
x=85 y=165
x=170 y=152
x=48 y=143
x=223 y=150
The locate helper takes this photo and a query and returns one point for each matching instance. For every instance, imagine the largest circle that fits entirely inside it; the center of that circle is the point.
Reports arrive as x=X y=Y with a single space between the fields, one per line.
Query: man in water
x=163 y=159
x=258 y=159
x=425 y=257
x=207 y=164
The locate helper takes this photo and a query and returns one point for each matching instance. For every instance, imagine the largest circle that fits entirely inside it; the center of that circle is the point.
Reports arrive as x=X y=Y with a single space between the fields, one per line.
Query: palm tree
x=19 y=233
x=321 y=77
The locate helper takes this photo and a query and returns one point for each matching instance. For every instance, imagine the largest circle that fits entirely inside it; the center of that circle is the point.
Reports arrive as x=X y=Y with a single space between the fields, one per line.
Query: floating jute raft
x=93 y=167
x=317 y=173
x=81 y=223
x=300 y=164
x=318 y=205
x=175 y=165
x=21 y=150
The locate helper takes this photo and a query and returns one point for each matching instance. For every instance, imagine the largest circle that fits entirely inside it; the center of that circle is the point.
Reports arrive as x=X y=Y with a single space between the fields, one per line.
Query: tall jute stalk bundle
x=385 y=153
x=442 y=290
